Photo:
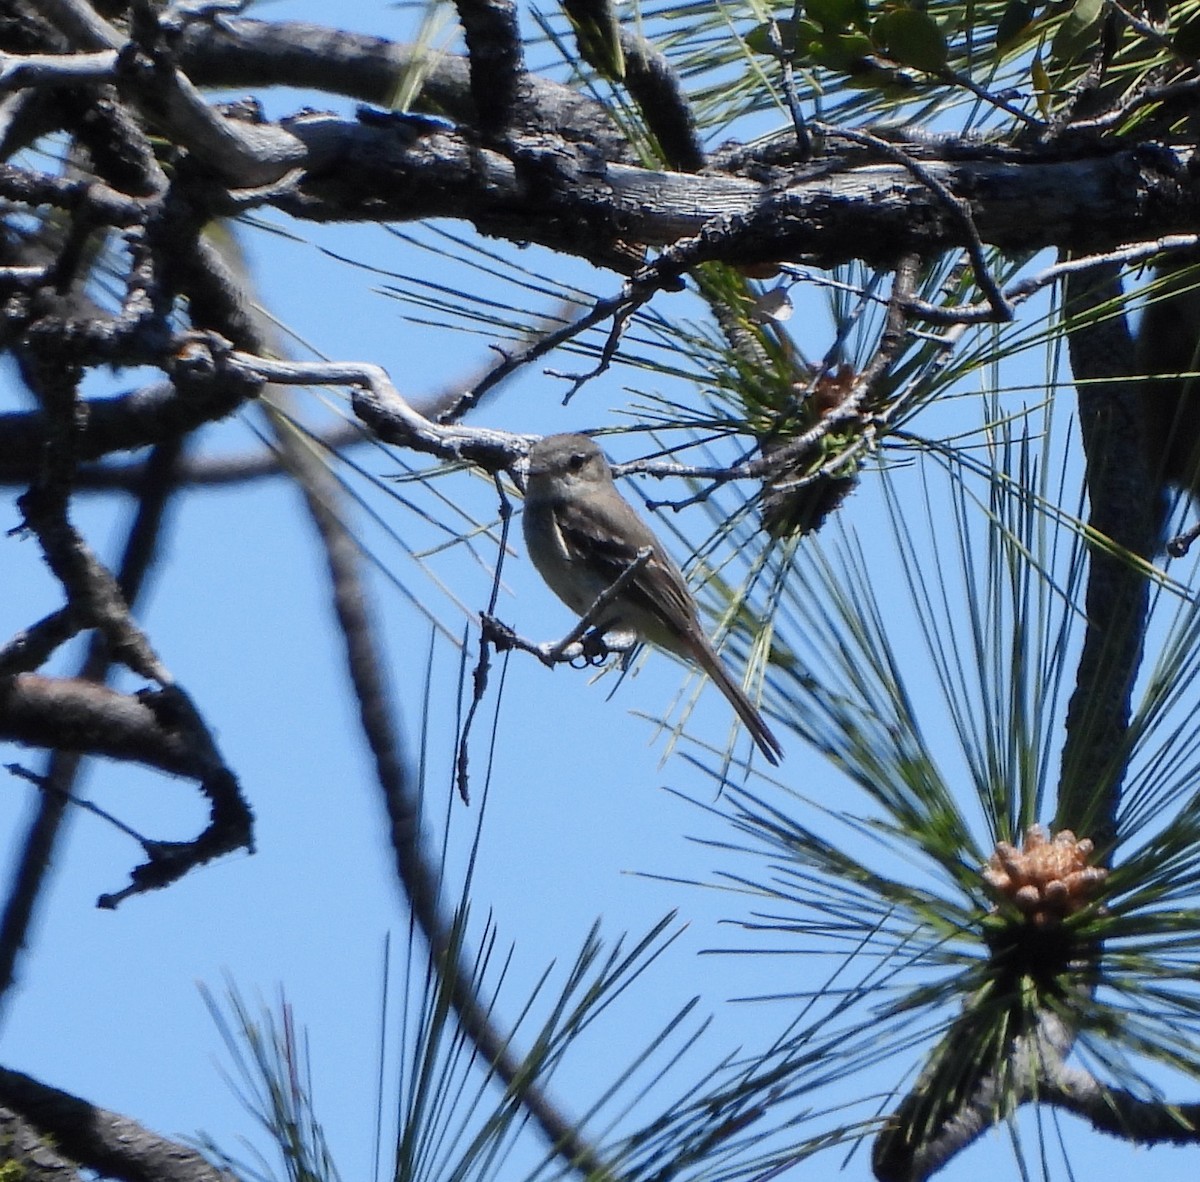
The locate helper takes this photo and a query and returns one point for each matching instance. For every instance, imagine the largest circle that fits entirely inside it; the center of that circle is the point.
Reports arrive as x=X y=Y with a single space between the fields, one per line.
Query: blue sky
x=577 y=824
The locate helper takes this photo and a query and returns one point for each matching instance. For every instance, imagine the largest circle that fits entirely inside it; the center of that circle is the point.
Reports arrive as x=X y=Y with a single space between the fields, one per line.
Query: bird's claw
x=593 y=651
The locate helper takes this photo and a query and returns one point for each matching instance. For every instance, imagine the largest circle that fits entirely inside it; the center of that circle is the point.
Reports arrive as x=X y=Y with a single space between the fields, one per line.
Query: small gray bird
x=583 y=535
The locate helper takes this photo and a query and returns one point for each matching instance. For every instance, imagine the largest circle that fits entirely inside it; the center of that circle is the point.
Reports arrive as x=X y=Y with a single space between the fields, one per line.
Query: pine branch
x=1123 y=509
x=97 y=1139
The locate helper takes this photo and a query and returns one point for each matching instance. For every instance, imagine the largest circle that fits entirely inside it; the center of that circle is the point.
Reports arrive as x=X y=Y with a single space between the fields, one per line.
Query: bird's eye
x=576 y=461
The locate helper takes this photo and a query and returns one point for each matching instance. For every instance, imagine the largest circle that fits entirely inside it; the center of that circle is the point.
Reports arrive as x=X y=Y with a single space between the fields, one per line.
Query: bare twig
x=1017 y=293
x=955 y=78
x=799 y=124
x=479 y=680
x=569 y=649
x=958 y=208
x=1156 y=34
x=530 y=352
x=595 y=612
x=894 y=336
x=1140 y=96
x=88 y=806
x=607 y=353
x=380 y=406
x=1179 y=545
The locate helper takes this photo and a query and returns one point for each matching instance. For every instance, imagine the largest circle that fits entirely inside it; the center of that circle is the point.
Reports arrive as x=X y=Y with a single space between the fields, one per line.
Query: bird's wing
x=656 y=602
x=609 y=541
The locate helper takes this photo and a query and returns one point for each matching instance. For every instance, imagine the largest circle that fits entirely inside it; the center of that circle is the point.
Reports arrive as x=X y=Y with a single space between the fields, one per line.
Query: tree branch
x=160 y=729
x=243 y=153
x=1119 y=1112
x=829 y=212
x=1123 y=507
x=497 y=60
x=97 y=1139
x=659 y=94
x=35 y=1155
x=74 y=714
x=239 y=53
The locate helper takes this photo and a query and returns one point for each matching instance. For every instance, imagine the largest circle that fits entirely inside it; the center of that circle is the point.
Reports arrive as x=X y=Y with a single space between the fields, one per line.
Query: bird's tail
x=706 y=657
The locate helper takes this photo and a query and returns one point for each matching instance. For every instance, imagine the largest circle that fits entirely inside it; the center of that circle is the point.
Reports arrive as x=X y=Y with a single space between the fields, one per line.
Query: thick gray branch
x=567 y=196
x=245 y=154
x=1123 y=508
x=111 y=1144
x=493 y=38
x=842 y=208
x=959 y=1095
x=237 y=53
x=1116 y=1111
x=69 y=714
x=36 y=1156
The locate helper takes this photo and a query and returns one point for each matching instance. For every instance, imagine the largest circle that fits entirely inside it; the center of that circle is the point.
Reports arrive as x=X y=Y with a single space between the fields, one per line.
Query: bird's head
x=566 y=461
